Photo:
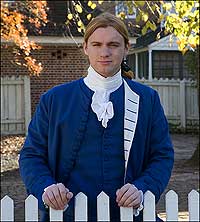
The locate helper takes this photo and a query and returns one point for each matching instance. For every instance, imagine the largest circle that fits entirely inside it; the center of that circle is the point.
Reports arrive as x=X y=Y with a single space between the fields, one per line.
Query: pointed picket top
x=126 y=213
x=56 y=215
x=81 y=207
x=149 y=207
x=31 y=208
x=193 y=205
x=171 y=200
x=7 y=209
x=103 y=213
x=7 y=199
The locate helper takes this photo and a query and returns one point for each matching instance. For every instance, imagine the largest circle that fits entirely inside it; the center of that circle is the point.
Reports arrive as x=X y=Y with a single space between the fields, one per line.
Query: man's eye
x=114 y=45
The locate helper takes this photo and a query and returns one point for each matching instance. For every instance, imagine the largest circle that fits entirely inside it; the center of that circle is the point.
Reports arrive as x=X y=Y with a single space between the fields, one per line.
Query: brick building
x=61 y=56
x=63 y=60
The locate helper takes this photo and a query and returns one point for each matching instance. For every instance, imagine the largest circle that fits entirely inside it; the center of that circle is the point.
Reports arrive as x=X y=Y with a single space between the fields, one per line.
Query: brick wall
x=62 y=63
x=8 y=67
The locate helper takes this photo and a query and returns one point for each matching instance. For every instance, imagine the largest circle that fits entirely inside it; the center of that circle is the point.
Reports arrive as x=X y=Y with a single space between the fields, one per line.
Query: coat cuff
x=136 y=211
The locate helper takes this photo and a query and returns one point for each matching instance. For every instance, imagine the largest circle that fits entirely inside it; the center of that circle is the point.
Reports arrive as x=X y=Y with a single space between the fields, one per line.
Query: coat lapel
x=130 y=119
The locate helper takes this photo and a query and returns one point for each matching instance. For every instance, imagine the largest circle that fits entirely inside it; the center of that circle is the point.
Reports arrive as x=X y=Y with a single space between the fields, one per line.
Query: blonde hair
x=104 y=20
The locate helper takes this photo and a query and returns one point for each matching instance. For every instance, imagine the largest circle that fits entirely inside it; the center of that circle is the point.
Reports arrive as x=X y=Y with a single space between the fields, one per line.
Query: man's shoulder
x=140 y=88
x=63 y=88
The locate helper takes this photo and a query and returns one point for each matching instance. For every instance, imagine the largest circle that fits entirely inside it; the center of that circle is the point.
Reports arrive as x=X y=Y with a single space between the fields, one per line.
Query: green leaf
x=144 y=30
x=167 y=6
x=140 y=3
x=152 y=26
x=138 y=18
x=145 y=17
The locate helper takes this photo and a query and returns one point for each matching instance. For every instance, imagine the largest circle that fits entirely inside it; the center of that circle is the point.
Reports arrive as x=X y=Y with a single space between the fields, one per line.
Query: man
x=103 y=132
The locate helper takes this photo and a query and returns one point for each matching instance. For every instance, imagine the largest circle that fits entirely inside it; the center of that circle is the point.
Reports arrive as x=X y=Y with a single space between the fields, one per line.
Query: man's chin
x=106 y=73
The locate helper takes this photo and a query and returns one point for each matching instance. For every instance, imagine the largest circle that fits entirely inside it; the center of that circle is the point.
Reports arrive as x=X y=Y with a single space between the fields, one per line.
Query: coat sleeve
x=33 y=161
x=160 y=155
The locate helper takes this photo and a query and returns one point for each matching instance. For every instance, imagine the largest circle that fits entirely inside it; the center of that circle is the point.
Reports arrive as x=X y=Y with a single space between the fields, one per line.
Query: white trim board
x=162 y=44
x=61 y=40
x=165 y=44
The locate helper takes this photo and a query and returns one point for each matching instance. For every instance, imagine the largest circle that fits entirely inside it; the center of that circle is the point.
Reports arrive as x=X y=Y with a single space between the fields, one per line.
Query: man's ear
x=85 y=48
x=127 y=47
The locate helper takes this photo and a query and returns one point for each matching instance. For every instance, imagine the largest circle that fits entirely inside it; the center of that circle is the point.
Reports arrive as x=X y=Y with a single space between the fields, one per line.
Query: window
x=143 y=65
x=166 y=64
x=122 y=7
x=131 y=62
x=170 y=64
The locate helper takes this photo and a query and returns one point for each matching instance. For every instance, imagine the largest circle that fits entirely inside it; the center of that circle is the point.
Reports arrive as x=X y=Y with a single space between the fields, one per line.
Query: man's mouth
x=105 y=62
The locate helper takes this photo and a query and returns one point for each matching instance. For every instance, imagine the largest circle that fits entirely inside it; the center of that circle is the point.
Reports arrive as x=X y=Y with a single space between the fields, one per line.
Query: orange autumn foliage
x=13 y=29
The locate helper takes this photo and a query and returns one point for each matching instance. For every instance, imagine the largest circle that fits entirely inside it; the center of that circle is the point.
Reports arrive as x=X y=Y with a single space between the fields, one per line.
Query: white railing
x=103 y=213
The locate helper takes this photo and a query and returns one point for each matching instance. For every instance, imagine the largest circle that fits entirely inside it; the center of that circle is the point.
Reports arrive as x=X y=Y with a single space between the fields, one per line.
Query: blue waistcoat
x=99 y=163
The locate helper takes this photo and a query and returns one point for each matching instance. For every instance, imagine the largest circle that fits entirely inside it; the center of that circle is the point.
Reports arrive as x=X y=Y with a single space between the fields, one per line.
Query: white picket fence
x=126 y=214
x=179 y=99
x=15 y=104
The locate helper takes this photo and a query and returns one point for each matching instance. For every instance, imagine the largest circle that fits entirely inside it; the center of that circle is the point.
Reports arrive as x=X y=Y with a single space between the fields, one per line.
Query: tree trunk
x=194 y=160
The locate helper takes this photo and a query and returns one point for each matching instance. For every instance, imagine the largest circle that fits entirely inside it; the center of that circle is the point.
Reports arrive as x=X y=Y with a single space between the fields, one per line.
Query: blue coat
x=60 y=121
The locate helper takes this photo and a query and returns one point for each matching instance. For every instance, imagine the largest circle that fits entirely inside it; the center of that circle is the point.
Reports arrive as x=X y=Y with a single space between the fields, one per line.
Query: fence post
x=7 y=209
x=27 y=102
x=150 y=77
x=171 y=206
x=182 y=104
x=136 y=66
x=193 y=205
x=149 y=207
x=56 y=215
x=31 y=208
x=103 y=213
x=126 y=213
x=81 y=207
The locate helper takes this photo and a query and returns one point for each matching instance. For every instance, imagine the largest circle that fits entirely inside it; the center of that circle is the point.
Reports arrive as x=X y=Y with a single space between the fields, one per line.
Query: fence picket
x=7 y=209
x=149 y=207
x=56 y=215
x=126 y=213
x=31 y=208
x=193 y=205
x=171 y=206
x=81 y=207
x=103 y=213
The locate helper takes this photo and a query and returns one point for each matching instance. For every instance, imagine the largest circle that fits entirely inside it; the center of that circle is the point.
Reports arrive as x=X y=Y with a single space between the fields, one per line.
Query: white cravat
x=102 y=88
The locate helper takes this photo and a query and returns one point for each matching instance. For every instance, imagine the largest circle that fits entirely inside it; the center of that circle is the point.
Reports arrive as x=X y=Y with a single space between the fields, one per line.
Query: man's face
x=106 y=49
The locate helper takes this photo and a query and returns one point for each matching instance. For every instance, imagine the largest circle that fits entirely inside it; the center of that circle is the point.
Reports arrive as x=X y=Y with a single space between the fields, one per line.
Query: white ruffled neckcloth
x=102 y=87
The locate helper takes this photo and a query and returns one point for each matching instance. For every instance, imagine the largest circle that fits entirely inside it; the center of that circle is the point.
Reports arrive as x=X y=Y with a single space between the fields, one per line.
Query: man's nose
x=105 y=52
